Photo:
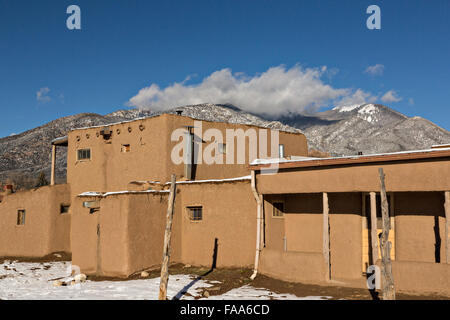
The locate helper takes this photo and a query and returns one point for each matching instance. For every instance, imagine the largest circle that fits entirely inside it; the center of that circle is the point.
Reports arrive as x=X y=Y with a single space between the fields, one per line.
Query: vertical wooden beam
x=385 y=244
x=167 y=236
x=373 y=227
x=447 y=225
x=52 y=175
x=326 y=236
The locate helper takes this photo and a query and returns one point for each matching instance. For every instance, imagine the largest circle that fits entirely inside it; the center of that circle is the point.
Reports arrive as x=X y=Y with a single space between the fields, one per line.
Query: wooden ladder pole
x=167 y=236
x=386 y=263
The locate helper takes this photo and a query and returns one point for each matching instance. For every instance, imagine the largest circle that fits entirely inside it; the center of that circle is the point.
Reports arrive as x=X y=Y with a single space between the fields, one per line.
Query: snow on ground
x=19 y=281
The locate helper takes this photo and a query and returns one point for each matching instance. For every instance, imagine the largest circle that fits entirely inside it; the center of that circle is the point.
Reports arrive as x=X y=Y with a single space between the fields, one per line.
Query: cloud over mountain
x=277 y=91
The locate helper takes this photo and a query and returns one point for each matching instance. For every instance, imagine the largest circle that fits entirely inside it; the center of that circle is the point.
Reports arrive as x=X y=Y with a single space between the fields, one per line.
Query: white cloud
x=391 y=96
x=42 y=95
x=276 y=91
x=375 y=70
x=358 y=97
x=411 y=101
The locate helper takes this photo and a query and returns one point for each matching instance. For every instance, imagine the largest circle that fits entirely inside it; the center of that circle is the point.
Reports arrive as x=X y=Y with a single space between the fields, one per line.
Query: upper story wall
x=149 y=152
x=408 y=175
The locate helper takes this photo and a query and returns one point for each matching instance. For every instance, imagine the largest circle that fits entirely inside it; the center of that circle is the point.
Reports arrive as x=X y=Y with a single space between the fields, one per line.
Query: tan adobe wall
x=149 y=158
x=422 y=175
x=131 y=231
x=45 y=231
x=229 y=214
x=301 y=228
x=304 y=267
x=422 y=277
x=420 y=226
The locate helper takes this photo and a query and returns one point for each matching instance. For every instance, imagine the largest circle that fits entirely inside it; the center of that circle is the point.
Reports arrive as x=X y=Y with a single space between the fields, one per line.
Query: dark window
x=278 y=209
x=20 y=217
x=64 y=208
x=84 y=154
x=195 y=213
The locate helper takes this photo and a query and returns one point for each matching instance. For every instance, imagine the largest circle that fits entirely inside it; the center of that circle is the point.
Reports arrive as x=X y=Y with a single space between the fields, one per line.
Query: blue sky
x=127 y=45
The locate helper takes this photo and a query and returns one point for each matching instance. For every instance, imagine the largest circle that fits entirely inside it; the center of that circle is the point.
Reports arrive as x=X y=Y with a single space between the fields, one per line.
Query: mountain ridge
x=344 y=130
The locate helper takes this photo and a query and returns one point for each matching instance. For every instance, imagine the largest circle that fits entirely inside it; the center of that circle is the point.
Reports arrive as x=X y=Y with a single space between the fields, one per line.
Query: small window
x=281 y=150
x=222 y=148
x=20 y=217
x=278 y=209
x=195 y=213
x=126 y=148
x=84 y=154
x=64 y=208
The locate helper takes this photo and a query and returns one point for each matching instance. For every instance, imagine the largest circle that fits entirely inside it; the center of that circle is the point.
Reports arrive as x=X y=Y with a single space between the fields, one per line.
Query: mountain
x=367 y=128
x=345 y=130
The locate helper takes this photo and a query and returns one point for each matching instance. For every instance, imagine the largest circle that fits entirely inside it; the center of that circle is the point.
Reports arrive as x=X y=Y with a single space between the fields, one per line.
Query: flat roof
x=360 y=159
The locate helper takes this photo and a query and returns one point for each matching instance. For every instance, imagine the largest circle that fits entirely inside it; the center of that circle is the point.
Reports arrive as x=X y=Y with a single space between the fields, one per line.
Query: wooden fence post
x=167 y=236
x=326 y=236
x=386 y=264
x=447 y=225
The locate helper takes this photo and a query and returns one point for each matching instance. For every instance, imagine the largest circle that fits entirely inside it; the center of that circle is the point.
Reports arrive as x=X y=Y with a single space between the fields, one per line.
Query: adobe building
x=265 y=212
x=317 y=218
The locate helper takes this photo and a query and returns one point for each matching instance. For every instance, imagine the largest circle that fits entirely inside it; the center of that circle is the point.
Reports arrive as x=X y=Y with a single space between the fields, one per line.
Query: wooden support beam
x=326 y=236
x=373 y=227
x=447 y=225
x=167 y=236
x=52 y=174
x=385 y=245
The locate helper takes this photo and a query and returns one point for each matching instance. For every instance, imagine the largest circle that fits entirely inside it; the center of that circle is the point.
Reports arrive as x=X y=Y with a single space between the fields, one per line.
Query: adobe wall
x=420 y=226
x=130 y=238
x=45 y=231
x=302 y=229
x=229 y=215
x=425 y=175
x=149 y=158
x=422 y=277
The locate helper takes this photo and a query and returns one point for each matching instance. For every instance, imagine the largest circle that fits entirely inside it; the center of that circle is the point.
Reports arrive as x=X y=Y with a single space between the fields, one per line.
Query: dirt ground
x=231 y=278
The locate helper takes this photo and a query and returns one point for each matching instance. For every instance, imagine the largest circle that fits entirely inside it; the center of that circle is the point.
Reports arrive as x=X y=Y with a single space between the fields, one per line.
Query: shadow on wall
x=183 y=291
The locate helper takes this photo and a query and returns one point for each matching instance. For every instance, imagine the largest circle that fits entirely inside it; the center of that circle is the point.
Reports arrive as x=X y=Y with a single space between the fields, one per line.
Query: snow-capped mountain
x=344 y=130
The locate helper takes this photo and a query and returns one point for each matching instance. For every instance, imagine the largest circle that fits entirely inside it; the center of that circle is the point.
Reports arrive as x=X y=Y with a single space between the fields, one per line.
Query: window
x=20 y=217
x=84 y=154
x=222 y=148
x=278 y=209
x=195 y=213
x=126 y=148
x=64 y=208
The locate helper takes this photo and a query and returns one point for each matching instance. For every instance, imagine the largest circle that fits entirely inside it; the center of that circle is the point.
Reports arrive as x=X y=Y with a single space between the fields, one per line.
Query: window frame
x=189 y=210
x=84 y=159
x=274 y=208
x=21 y=220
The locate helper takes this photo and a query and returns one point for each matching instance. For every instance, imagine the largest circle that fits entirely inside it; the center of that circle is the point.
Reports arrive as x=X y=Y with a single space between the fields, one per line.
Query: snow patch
x=34 y=281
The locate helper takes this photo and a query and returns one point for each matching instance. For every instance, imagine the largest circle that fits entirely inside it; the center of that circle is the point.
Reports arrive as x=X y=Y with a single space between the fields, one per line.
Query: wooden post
x=52 y=175
x=167 y=236
x=386 y=264
x=326 y=236
x=373 y=227
x=447 y=225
